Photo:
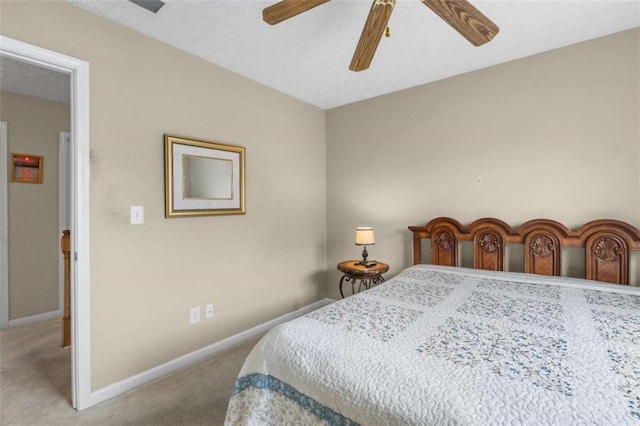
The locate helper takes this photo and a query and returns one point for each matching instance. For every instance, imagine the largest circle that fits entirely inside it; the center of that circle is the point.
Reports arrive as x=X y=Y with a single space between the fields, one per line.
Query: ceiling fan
x=460 y=14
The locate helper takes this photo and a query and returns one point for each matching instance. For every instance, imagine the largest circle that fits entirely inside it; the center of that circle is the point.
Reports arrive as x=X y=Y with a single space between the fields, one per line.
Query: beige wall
x=145 y=278
x=32 y=128
x=555 y=135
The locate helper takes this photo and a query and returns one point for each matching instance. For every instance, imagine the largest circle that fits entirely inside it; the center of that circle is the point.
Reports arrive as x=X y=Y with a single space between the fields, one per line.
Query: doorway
x=78 y=72
x=33 y=119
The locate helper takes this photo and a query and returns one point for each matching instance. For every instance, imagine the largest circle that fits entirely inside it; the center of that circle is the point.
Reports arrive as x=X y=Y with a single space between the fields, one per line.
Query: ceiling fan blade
x=371 y=34
x=465 y=19
x=287 y=9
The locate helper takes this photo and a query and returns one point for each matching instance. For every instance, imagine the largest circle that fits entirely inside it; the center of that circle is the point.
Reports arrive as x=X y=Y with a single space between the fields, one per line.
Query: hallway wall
x=32 y=128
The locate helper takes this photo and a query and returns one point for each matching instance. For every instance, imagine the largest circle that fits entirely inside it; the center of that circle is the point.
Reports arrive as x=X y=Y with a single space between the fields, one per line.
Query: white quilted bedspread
x=438 y=345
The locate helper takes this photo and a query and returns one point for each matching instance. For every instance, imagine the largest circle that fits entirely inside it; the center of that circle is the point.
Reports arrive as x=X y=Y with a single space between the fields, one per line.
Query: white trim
x=80 y=325
x=198 y=355
x=18 y=322
x=4 y=228
x=64 y=204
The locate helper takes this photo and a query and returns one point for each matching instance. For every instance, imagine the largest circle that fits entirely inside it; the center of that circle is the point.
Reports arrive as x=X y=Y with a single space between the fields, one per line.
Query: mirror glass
x=207 y=178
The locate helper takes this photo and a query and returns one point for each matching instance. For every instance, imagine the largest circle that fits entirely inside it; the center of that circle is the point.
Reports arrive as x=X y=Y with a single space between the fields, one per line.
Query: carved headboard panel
x=607 y=242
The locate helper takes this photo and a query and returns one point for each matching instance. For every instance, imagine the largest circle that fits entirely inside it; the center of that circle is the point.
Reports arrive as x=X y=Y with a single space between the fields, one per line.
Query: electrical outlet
x=195 y=315
x=209 y=311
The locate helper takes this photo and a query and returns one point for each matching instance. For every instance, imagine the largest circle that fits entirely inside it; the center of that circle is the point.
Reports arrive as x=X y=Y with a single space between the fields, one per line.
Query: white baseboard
x=178 y=363
x=35 y=318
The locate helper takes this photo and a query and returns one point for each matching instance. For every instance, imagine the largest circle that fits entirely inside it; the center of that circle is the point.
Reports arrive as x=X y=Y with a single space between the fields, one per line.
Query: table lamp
x=364 y=237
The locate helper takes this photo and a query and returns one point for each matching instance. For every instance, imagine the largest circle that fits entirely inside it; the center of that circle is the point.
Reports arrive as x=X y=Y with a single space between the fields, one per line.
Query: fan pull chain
x=387 y=13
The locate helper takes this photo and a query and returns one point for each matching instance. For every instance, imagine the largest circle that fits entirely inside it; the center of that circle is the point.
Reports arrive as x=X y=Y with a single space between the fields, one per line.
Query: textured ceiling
x=308 y=56
x=31 y=80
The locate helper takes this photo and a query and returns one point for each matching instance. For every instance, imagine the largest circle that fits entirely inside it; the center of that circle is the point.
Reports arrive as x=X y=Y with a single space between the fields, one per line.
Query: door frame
x=78 y=71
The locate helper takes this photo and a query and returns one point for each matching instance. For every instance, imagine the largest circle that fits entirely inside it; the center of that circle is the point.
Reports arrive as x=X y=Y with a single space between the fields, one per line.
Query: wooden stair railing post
x=65 y=246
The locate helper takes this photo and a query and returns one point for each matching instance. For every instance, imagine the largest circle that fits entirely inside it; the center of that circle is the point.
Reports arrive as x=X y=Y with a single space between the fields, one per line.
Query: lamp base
x=364 y=262
x=367 y=263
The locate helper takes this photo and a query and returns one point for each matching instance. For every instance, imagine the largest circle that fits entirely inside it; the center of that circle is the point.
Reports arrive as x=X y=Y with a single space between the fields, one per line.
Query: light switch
x=137 y=215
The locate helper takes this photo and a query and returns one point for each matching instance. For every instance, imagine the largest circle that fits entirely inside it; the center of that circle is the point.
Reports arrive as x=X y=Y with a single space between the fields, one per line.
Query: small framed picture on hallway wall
x=26 y=168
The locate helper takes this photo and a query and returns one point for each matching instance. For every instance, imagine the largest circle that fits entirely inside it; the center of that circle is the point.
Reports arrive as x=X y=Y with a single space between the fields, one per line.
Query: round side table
x=367 y=275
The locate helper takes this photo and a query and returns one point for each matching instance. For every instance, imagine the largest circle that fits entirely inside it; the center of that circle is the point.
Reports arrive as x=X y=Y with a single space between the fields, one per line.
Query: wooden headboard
x=608 y=244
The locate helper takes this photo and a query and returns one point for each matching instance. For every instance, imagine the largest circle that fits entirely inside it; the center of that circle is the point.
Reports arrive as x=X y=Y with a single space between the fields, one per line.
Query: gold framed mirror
x=202 y=178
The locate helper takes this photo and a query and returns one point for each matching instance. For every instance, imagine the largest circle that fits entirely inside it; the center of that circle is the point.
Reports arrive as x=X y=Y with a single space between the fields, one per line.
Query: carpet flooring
x=35 y=386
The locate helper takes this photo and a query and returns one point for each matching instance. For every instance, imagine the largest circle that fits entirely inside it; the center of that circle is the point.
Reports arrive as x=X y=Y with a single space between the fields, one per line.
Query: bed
x=442 y=344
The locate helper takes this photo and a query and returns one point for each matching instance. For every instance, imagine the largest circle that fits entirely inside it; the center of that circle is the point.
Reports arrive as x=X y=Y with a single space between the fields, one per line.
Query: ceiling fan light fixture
x=459 y=14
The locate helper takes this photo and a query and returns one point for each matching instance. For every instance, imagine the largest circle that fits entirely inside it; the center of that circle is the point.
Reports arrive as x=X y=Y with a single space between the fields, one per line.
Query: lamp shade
x=364 y=236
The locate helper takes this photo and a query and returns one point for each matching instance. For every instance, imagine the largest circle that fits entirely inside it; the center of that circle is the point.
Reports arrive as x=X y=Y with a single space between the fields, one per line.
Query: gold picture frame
x=26 y=168
x=203 y=178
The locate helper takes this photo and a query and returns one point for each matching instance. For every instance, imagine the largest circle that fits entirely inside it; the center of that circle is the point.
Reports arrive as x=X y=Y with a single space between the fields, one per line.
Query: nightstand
x=367 y=275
